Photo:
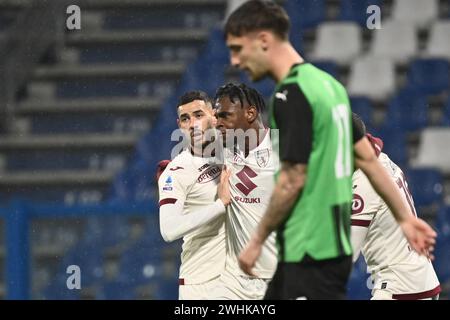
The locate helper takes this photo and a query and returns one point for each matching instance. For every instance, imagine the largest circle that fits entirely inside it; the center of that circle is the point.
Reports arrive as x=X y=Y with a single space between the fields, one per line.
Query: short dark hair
x=194 y=95
x=255 y=15
x=359 y=123
x=243 y=93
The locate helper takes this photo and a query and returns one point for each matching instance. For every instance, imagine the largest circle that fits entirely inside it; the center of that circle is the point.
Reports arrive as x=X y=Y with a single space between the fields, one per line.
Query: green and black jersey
x=311 y=110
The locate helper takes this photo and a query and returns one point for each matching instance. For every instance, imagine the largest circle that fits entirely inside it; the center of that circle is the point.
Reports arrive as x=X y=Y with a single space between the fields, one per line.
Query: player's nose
x=235 y=61
x=195 y=125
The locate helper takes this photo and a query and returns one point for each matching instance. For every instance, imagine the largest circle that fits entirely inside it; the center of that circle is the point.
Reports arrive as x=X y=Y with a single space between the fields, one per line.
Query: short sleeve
x=173 y=184
x=293 y=116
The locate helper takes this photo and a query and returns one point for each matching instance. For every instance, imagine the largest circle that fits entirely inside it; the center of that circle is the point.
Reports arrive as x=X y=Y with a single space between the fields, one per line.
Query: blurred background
x=86 y=115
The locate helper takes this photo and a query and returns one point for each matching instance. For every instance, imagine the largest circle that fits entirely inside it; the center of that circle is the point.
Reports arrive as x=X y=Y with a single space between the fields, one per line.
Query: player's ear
x=264 y=38
x=251 y=113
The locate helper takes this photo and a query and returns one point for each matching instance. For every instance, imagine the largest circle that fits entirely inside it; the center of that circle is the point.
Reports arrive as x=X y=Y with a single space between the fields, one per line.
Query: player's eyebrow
x=184 y=115
x=234 y=47
x=197 y=112
x=223 y=114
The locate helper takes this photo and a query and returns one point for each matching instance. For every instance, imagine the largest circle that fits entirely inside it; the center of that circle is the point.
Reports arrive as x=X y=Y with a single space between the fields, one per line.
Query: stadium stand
x=438 y=45
x=88 y=126
x=381 y=83
x=433 y=150
x=416 y=12
x=337 y=41
x=396 y=41
x=356 y=11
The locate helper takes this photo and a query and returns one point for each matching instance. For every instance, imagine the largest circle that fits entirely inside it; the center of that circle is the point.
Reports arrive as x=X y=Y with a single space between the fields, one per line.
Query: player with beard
x=193 y=202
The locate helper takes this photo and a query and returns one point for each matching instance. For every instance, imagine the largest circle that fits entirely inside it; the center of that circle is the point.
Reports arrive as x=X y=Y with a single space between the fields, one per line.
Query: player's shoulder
x=389 y=165
x=286 y=92
x=183 y=160
x=361 y=184
x=181 y=166
x=261 y=157
x=384 y=158
x=266 y=141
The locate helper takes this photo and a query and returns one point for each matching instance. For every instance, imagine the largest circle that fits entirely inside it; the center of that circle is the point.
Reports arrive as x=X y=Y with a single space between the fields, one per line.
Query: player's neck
x=283 y=58
x=261 y=132
x=200 y=153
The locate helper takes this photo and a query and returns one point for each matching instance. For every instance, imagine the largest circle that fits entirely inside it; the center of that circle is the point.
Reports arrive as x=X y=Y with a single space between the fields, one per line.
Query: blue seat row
x=182 y=51
x=185 y=17
x=158 y=87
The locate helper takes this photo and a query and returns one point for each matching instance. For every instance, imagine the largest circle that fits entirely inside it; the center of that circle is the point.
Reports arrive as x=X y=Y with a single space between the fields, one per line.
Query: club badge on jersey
x=262 y=157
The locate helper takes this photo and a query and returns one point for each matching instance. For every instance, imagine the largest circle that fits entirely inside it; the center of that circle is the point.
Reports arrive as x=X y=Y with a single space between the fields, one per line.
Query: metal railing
x=17 y=217
x=38 y=27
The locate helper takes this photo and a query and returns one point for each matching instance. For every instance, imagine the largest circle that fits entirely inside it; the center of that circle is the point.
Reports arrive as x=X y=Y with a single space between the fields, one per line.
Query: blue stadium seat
x=429 y=76
x=106 y=231
x=141 y=262
x=87 y=89
x=116 y=290
x=363 y=107
x=442 y=251
x=215 y=52
x=167 y=290
x=201 y=76
x=184 y=17
x=183 y=51
x=296 y=39
x=137 y=181
x=48 y=160
x=445 y=120
x=264 y=87
x=305 y=14
x=207 y=74
x=91 y=123
x=357 y=286
x=159 y=289
x=407 y=111
x=442 y=217
x=426 y=186
x=329 y=67
x=442 y=257
x=356 y=11
x=57 y=290
x=52 y=194
x=157 y=87
x=126 y=184
x=298 y=25
x=394 y=145
x=89 y=257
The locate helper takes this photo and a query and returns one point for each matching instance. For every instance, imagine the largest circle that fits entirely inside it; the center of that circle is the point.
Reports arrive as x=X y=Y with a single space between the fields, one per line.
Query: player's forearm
x=174 y=224
x=283 y=198
x=386 y=188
